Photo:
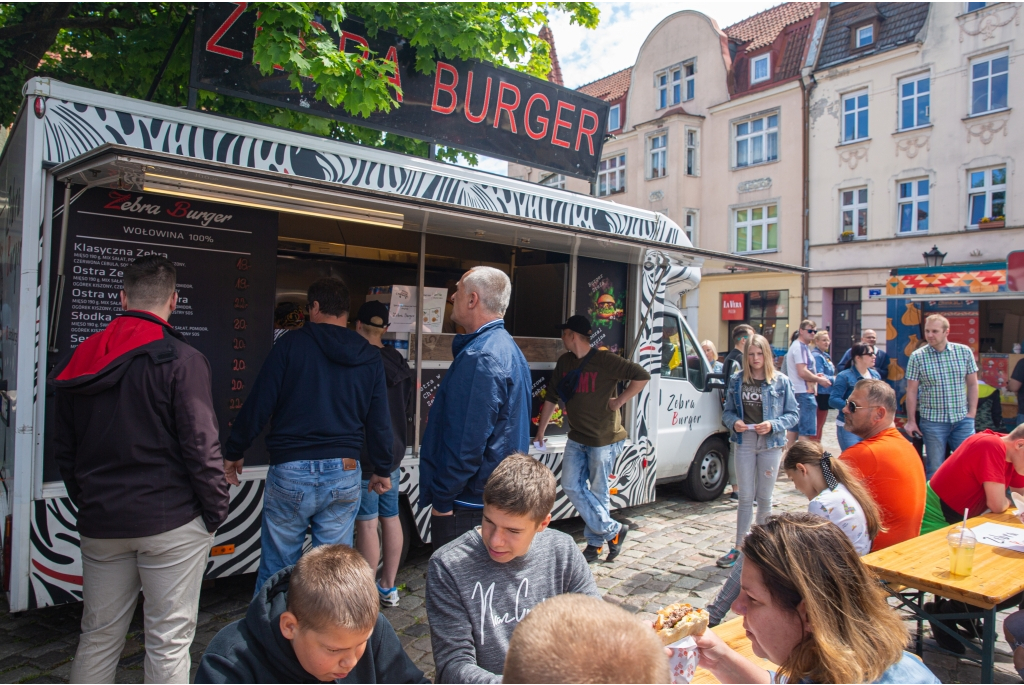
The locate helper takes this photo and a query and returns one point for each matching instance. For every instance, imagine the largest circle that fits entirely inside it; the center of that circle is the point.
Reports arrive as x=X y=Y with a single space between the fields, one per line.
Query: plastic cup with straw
x=961 y=549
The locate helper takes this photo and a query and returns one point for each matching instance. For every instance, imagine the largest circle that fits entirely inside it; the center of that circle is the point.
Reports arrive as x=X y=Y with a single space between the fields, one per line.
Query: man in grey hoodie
x=482 y=584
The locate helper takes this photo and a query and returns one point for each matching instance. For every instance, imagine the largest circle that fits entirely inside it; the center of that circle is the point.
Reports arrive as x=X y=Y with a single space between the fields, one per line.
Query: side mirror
x=715 y=381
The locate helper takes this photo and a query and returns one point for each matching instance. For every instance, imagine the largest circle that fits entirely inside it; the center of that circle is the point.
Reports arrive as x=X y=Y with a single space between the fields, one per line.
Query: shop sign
x=469 y=105
x=732 y=307
x=1015 y=271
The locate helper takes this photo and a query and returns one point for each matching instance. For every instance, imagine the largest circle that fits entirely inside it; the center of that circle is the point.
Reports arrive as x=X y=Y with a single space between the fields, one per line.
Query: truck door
x=682 y=404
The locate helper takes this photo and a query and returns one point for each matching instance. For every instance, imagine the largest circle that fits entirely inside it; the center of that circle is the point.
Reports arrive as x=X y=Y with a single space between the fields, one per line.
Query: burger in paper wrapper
x=679 y=620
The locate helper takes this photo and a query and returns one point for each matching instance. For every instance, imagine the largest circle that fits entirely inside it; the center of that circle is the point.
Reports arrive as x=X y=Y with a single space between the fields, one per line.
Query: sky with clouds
x=589 y=54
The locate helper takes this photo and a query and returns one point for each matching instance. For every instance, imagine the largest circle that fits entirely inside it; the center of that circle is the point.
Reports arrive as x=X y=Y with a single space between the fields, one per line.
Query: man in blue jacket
x=322 y=388
x=481 y=413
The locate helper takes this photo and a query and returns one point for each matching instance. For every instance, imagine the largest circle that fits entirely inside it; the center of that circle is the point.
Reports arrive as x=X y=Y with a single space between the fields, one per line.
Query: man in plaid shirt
x=942 y=384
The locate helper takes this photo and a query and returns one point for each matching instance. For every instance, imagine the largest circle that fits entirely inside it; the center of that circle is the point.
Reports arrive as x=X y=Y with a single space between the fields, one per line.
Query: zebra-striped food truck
x=251 y=215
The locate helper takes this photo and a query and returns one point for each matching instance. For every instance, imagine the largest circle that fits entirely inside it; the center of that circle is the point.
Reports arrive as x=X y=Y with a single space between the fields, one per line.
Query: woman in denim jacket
x=823 y=364
x=759 y=408
x=862 y=367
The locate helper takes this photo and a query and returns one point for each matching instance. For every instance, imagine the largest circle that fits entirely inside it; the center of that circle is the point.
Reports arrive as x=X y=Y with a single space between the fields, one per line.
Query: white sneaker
x=388 y=598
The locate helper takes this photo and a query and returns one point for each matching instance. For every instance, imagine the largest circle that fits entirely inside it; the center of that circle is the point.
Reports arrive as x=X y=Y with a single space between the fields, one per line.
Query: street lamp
x=933 y=257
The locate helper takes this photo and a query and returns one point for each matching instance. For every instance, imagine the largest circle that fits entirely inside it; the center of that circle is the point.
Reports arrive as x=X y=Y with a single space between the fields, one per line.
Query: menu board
x=964 y=321
x=226 y=261
x=601 y=297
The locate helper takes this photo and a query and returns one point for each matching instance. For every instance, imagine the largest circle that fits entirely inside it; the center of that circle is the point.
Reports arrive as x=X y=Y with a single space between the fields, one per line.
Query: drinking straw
x=963 y=529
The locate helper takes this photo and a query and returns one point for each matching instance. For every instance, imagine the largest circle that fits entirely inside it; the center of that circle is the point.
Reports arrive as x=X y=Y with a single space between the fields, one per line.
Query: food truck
x=251 y=215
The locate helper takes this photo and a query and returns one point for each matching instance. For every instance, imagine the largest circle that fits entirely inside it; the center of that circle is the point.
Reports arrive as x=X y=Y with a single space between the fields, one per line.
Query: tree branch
x=64 y=23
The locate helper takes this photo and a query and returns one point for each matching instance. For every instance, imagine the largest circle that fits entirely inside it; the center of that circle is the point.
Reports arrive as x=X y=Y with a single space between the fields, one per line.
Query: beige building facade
x=915 y=122
x=711 y=134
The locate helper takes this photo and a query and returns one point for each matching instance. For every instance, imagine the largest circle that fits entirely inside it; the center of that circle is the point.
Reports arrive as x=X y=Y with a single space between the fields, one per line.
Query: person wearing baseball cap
x=371 y=323
x=584 y=382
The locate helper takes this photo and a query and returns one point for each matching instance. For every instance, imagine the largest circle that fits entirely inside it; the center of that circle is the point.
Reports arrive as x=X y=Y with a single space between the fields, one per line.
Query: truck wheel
x=709 y=471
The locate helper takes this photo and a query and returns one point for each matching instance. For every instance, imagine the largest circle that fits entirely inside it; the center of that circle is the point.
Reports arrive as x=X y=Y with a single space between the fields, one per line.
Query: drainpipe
x=805 y=278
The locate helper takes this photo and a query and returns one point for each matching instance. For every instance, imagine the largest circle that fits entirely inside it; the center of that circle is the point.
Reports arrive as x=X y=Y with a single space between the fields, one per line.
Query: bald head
x=869 y=337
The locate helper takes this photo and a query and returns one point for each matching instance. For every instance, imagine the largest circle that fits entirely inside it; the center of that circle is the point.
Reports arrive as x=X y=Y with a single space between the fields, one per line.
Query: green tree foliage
x=119 y=47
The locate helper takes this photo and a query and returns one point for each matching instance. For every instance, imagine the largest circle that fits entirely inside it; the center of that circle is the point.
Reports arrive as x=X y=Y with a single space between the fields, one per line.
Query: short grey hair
x=880 y=394
x=491 y=285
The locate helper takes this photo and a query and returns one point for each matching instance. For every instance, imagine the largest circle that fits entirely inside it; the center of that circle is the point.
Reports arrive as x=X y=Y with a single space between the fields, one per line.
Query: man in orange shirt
x=888 y=463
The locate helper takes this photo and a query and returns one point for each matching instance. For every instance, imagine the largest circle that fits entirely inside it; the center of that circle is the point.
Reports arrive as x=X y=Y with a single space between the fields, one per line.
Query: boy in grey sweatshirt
x=482 y=584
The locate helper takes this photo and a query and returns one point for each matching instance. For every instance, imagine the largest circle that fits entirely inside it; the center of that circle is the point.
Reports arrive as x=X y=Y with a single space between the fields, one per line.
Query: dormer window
x=865 y=36
x=760 y=68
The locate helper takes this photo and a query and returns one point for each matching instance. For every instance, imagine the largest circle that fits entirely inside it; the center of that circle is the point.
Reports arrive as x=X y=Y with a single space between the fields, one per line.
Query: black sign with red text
x=226 y=262
x=469 y=105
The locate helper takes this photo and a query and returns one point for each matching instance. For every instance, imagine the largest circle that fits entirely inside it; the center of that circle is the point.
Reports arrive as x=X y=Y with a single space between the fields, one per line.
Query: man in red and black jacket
x=137 y=444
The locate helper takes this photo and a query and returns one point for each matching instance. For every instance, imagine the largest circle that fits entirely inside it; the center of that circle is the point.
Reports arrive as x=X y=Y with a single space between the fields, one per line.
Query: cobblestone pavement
x=669 y=556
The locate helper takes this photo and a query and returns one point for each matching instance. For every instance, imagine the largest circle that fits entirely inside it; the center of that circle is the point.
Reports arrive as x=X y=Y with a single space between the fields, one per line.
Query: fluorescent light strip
x=343 y=212
x=361 y=210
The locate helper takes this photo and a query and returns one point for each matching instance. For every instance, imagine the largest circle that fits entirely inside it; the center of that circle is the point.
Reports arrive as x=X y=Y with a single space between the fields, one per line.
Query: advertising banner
x=470 y=105
x=601 y=297
x=732 y=307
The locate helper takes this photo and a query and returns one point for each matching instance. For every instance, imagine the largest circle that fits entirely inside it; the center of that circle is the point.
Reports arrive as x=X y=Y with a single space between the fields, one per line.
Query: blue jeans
x=939 y=435
x=372 y=505
x=300 y=494
x=580 y=464
x=808 y=425
x=846 y=438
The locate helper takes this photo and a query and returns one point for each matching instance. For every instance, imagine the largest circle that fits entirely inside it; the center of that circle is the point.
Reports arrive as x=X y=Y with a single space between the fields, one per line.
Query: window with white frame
x=987 y=195
x=554 y=181
x=975 y=6
x=613 y=118
x=865 y=36
x=757 y=140
x=690 y=74
x=855 y=116
x=611 y=175
x=690 y=226
x=657 y=156
x=760 y=68
x=757 y=229
x=691 y=152
x=989 y=83
x=913 y=205
x=915 y=101
x=670 y=85
x=855 y=212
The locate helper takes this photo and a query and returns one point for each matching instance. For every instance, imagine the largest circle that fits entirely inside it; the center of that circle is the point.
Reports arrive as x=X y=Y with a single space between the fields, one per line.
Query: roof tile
x=609 y=88
x=899 y=24
x=763 y=28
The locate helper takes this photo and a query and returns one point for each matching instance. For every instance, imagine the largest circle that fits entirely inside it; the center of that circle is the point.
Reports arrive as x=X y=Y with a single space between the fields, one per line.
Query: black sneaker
x=615 y=544
x=734 y=495
x=591 y=553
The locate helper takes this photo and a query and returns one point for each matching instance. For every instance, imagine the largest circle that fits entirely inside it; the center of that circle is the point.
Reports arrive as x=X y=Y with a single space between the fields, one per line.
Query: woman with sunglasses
x=759 y=408
x=810 y=605
x=863 y=367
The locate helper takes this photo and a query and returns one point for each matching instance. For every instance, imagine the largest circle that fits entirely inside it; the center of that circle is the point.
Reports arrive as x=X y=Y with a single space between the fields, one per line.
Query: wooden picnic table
x=734 y=635
x=922 y=563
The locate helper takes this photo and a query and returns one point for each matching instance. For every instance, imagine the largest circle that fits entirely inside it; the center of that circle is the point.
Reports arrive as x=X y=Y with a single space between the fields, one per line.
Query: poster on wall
x=558 y=424
x=601 y=297
x=226 y=262
x=964 y=320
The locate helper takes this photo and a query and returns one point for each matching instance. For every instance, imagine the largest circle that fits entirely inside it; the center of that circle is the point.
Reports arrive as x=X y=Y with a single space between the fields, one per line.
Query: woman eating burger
x=811 y=606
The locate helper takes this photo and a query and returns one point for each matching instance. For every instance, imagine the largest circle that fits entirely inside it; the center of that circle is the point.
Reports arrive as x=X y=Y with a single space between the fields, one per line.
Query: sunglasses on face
x=812 y=331
x=852 y=407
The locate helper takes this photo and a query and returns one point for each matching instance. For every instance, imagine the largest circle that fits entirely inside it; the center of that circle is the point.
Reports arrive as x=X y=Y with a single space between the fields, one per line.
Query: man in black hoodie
x=322 y=388
x=315 y=622
x=137 y=445
x=371 y=323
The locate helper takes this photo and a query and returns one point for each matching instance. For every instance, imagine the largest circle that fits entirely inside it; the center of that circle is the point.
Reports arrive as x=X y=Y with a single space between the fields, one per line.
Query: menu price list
x=225 y=257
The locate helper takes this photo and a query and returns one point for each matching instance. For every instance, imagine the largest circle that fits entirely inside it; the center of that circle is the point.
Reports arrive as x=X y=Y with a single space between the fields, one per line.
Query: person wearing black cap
x=372 y=322
x=584 y=382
